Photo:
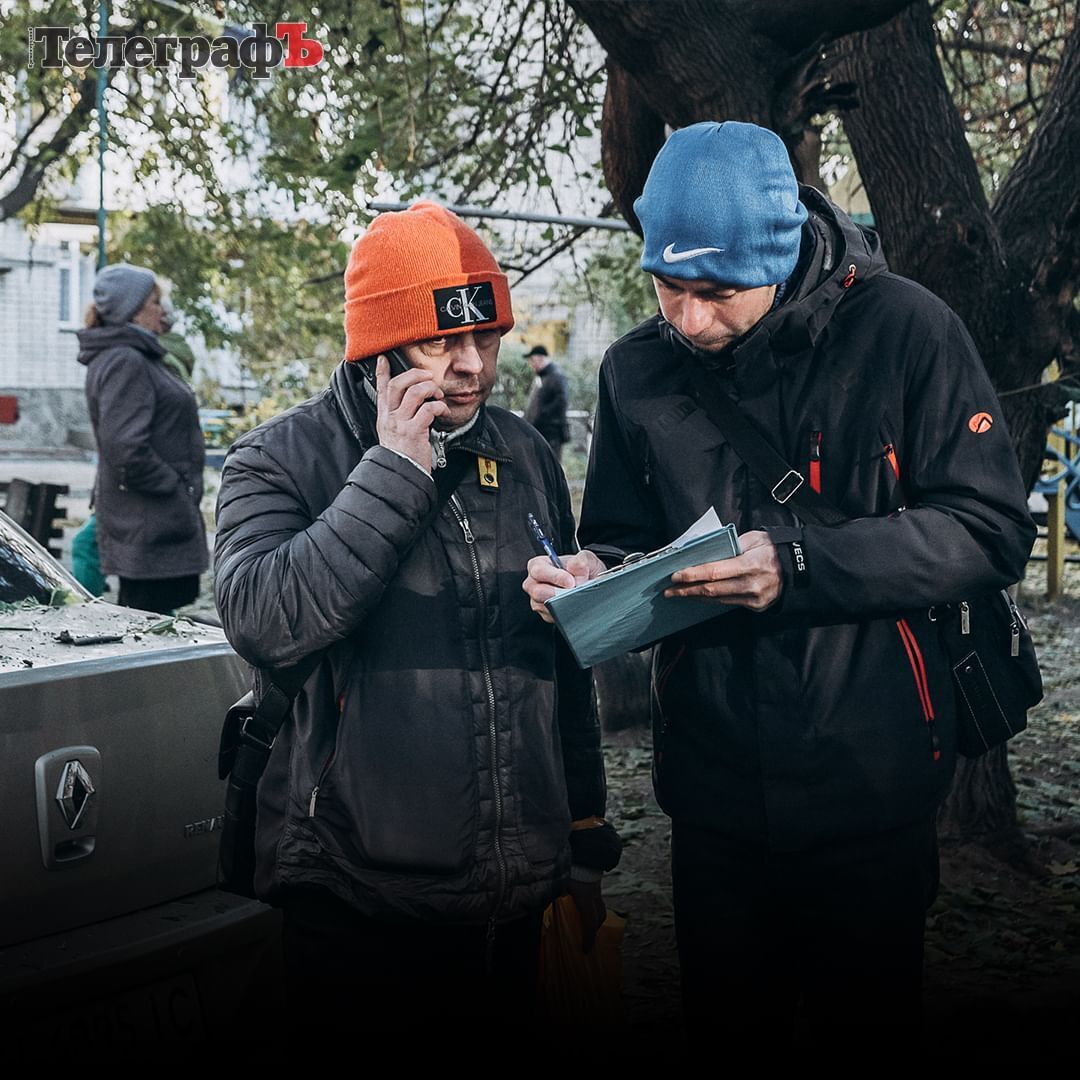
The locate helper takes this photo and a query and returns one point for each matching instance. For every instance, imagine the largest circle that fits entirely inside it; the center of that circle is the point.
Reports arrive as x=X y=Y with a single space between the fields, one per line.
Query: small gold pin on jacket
x=489 y=472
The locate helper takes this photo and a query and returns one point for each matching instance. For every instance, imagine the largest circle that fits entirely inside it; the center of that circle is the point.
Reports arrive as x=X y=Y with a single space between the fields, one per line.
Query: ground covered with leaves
x=1003 y=937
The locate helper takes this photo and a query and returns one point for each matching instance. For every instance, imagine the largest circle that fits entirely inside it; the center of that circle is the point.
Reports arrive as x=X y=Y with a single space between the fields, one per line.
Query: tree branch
x=993 y=48
x=1028 y=209
x=73 y=125
x=792 y=23
x=20 y=146
x=672 y=51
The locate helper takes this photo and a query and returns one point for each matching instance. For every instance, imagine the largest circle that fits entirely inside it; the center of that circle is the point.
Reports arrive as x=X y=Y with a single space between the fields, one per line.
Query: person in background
x=86 y=560
x=178 y=353
x=150 y=530
x=548 y=399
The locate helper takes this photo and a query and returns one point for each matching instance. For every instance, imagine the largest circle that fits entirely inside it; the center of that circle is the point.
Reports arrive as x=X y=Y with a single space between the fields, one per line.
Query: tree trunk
x=622 y=691
x=631 y=134
x=936 y=225
x=982 y=801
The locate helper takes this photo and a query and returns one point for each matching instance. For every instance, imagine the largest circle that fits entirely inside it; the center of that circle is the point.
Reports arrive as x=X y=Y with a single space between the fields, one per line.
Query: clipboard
x=625 y=608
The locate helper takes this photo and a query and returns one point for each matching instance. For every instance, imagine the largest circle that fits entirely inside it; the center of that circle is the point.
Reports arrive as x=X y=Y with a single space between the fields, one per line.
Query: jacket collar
x=836 y=255
x=483 y=439
x=96 y=339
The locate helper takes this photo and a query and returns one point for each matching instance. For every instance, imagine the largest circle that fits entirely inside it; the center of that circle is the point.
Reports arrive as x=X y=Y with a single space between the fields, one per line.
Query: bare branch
x=557 y=249
x=794 y=22
x=993 y=48
x=20 y=146
x=1028 y=208
x=55 y=149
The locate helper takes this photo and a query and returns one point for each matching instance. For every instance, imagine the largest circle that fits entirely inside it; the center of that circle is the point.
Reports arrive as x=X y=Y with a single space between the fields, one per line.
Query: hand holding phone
x=398 y=366
x=407 y=405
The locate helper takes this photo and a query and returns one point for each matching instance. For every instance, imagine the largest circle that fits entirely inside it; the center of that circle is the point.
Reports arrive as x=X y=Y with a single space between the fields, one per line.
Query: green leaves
x=468 y=103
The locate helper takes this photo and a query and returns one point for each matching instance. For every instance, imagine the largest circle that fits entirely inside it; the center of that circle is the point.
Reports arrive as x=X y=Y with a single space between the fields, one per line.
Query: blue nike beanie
x=721 y=203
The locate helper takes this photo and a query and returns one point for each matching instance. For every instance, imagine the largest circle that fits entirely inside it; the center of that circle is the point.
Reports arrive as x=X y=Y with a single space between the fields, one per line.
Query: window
x=65 y=295
x=75 y=274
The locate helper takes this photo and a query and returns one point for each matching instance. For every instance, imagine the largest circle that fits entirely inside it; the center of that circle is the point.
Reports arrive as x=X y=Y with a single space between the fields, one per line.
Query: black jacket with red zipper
x=831 y=715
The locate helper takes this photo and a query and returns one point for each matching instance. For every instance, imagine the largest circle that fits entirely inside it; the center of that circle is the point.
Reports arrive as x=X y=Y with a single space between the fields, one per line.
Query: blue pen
x=544 y=542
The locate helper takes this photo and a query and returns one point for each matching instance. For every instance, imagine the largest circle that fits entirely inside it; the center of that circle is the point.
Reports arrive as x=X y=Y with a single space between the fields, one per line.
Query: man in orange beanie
x=439 y=778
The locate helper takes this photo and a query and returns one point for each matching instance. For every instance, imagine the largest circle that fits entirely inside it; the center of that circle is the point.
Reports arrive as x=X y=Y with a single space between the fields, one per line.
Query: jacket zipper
x=889 y=453
x=815 y=461
x=470 y=541
x=326 y=765
x=438 y=443
x=922 y=686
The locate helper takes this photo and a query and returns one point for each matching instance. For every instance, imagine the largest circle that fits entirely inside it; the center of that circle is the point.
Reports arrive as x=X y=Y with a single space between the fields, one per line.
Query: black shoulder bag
x=251 y=727
x=985 y=638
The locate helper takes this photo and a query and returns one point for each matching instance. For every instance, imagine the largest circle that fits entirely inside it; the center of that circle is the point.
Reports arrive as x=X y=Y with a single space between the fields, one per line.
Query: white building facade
x=46 y=281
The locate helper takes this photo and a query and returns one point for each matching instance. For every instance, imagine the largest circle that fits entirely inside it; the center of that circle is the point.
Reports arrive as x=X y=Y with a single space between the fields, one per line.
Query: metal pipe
x=103 y=30
x=614 y=224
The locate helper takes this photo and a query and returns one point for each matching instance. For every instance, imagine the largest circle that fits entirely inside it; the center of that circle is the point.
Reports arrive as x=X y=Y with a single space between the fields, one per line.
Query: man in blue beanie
x=805 y=737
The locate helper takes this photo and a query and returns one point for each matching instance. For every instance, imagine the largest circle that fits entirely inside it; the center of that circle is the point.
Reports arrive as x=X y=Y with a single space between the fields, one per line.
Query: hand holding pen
x=544 y=542
x=551 y=572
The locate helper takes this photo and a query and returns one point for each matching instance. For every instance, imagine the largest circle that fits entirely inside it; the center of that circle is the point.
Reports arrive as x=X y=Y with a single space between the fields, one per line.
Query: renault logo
x=74 y=792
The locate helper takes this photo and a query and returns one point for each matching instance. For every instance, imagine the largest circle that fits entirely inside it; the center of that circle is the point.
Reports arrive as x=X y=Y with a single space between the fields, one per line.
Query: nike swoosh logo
x=671 y=256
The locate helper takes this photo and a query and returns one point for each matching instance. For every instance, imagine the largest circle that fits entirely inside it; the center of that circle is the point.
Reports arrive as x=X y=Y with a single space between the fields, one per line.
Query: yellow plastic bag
x=575 y=988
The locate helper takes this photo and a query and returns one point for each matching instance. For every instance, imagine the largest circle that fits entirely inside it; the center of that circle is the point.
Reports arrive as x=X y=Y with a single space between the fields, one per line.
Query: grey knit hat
x=120 y=291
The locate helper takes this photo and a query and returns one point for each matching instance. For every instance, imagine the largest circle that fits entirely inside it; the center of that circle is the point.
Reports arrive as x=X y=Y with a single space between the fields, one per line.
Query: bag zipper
x=922 y=686
x=1015 y=625
x=470 y=540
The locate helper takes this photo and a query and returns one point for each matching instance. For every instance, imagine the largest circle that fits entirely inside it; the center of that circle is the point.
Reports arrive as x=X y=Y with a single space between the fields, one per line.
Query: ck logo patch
x=464 y=305
x=981 y=422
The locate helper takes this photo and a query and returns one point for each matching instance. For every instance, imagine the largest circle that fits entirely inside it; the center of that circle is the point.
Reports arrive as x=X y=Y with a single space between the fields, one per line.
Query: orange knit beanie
x=420 y=273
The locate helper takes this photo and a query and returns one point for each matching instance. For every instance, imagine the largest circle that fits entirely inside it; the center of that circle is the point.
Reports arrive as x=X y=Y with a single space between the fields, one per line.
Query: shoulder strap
x=786 y=485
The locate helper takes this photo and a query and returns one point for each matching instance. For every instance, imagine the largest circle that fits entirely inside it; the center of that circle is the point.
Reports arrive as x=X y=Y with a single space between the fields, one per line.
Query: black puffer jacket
x=429 y=768
x=831 y=715
x=151 y=453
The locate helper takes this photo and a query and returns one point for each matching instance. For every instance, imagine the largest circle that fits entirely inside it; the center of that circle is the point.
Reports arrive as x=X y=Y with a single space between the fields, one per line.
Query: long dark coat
x=151 y=455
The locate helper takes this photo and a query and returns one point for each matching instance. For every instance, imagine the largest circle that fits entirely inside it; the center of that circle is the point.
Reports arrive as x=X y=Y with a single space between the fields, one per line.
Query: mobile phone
x=396 y=359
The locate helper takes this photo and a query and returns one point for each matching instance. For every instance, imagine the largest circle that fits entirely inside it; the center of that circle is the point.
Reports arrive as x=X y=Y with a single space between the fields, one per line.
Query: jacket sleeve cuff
x=795 y=567
x=599 y=848
x=400 y=464
x=412 y=461
x=585 y=873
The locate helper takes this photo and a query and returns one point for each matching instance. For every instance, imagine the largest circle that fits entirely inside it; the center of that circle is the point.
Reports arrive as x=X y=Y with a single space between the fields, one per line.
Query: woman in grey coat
x=150 y=447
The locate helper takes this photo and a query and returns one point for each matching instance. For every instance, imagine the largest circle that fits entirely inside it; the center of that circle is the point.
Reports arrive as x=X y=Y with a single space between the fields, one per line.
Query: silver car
x=111 y=929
